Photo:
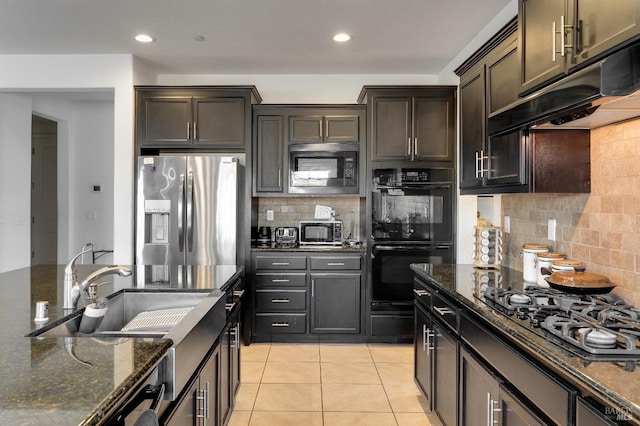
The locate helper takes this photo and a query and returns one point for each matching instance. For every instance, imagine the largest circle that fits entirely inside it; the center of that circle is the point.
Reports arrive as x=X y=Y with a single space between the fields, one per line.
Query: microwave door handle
x=181 y=214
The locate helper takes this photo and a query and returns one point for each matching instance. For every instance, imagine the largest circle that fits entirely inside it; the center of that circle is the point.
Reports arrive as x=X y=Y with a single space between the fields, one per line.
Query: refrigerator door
x=211 y=200
x=160 y=210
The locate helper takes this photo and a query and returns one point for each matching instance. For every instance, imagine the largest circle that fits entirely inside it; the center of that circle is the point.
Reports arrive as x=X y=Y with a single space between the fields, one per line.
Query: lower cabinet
x=229 y=364
x=485 y=401
x=199 y=404
x=423 y=353
x=335 y=303
x=300 y=296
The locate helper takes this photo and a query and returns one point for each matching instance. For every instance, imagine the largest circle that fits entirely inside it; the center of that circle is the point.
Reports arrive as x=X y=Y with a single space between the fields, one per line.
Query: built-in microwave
x=323 y=168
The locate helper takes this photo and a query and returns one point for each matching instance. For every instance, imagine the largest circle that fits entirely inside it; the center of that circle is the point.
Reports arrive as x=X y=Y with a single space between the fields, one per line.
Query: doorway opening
x=44 y=191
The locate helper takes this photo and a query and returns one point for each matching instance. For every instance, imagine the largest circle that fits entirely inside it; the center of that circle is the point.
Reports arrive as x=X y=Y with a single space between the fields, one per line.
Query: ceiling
x=252 y=36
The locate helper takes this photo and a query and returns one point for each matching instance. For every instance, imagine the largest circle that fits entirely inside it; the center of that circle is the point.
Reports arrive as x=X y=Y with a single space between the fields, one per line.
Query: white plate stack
x=487 y=243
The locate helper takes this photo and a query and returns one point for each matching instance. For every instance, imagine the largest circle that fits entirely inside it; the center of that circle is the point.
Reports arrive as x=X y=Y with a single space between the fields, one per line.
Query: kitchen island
x=609 y=389
x=77 y=380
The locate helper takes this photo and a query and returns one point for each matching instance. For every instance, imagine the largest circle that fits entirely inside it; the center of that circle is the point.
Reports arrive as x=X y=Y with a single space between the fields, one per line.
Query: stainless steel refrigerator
x=186 y=209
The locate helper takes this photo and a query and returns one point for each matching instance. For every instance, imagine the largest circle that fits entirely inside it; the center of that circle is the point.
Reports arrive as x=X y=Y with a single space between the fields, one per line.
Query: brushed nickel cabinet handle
x=279 y=324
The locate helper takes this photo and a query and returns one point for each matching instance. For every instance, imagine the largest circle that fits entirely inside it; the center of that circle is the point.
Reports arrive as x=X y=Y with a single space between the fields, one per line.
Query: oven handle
x=409 y=247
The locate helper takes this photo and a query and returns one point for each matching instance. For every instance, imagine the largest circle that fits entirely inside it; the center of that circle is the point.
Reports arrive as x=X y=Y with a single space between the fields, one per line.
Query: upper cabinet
x=343 y=127
x=275 y=127
x=488 y=82
x=411 y=123
x=520 y=160
x=194 y=117
x=557 y=36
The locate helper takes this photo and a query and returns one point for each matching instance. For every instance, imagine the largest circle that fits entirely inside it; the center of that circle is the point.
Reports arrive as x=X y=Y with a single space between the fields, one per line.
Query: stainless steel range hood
x=603 y=93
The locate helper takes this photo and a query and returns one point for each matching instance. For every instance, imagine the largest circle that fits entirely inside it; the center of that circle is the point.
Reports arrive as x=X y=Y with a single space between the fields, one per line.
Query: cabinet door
x=502 y=71
x=391 y=128
x=236 y=326
x=219 y=122
x=341 y=128
x=433 y=128
x=423 y=349
x=601 y=28
x=335 y=303
x=186 y=411
x=226 y=399
x=445 y=363
x=539 y=46
x=472 y=126
x=506 y=159
x=209 y=381
x=478 y=392
x=269 y=153
x=512 y=411
x=164 y=121
x=305 y=128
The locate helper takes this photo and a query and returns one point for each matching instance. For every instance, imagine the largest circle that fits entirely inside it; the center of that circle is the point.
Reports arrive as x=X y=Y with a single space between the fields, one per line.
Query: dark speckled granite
x=41 y=382
x=606 y=381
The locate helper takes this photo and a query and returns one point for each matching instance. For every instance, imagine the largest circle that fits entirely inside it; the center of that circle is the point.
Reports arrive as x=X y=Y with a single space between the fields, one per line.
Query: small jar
x=529 y=252
x=543 y=260
x=559 y=265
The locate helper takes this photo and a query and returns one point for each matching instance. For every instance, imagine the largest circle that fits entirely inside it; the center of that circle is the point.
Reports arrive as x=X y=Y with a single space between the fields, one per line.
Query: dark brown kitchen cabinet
x=485 y=401
x=269 y=153
x=559 y=36
x=277 y=126
x=194 y=117
x=324 y=128
x=410 y=123
x=300 y=297
x=423 y=354
x=198 y=405
x=335 y=302
x=489 y=82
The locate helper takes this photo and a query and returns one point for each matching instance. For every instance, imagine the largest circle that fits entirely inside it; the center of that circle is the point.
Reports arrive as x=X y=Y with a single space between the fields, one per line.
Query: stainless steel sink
x=192 y=334
x=126 y=306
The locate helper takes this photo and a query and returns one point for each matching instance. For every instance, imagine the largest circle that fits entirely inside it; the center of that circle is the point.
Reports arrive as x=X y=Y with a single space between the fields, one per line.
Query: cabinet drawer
x=280 y=280
x=281 y=299
x=284 y=262
x=281 y=323
x=336 y=263
x=445 y=311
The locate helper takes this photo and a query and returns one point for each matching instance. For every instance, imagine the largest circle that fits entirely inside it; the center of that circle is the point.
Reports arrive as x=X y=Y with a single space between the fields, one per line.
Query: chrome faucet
x=82 y=289
x=71 y=276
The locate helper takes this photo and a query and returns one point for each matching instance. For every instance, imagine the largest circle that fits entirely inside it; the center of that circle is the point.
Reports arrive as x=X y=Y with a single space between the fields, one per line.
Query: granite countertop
x=41 y=382
x=607 y=381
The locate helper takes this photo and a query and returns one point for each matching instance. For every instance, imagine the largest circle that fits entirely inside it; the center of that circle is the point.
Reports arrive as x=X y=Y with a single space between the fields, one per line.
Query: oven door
x=413 y=213
x=392 y=279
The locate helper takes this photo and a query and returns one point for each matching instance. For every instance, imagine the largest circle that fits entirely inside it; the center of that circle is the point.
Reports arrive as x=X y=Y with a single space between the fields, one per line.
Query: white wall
x=97 y=73
x=15 y=182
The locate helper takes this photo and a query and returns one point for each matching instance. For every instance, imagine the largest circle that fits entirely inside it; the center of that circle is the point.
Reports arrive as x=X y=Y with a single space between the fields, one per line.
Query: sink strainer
x=160 y=320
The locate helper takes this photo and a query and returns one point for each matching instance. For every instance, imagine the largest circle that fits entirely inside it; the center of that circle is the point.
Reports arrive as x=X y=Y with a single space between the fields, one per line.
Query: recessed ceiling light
x=341 y=37
x=144 y=38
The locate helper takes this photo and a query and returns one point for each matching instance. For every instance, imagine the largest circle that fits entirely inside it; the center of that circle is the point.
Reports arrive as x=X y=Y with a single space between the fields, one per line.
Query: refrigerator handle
x=190 y=211
x=180 y=214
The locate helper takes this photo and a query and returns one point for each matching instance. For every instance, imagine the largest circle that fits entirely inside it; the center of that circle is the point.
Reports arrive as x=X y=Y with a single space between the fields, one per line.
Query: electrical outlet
x=507 y=224
x=269 y=215
x=551 y=229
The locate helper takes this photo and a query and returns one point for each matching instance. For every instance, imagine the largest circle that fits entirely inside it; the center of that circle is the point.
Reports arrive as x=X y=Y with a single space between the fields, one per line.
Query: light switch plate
x=269 y=215
x=507 y=224
x=551 y=229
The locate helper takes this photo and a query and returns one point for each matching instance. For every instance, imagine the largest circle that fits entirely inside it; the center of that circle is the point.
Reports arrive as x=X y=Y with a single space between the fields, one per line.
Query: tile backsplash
x=288 y=211
x=602 y=228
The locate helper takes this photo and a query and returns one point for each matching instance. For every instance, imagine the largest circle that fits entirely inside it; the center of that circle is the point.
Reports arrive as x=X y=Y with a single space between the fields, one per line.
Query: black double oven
x=412 y=214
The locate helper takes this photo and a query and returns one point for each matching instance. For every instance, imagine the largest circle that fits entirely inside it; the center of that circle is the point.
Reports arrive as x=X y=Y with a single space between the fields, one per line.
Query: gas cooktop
x=599 y=327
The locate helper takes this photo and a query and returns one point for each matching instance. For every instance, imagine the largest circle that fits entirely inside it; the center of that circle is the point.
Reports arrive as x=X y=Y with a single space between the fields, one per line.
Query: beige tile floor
x=328 y=384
